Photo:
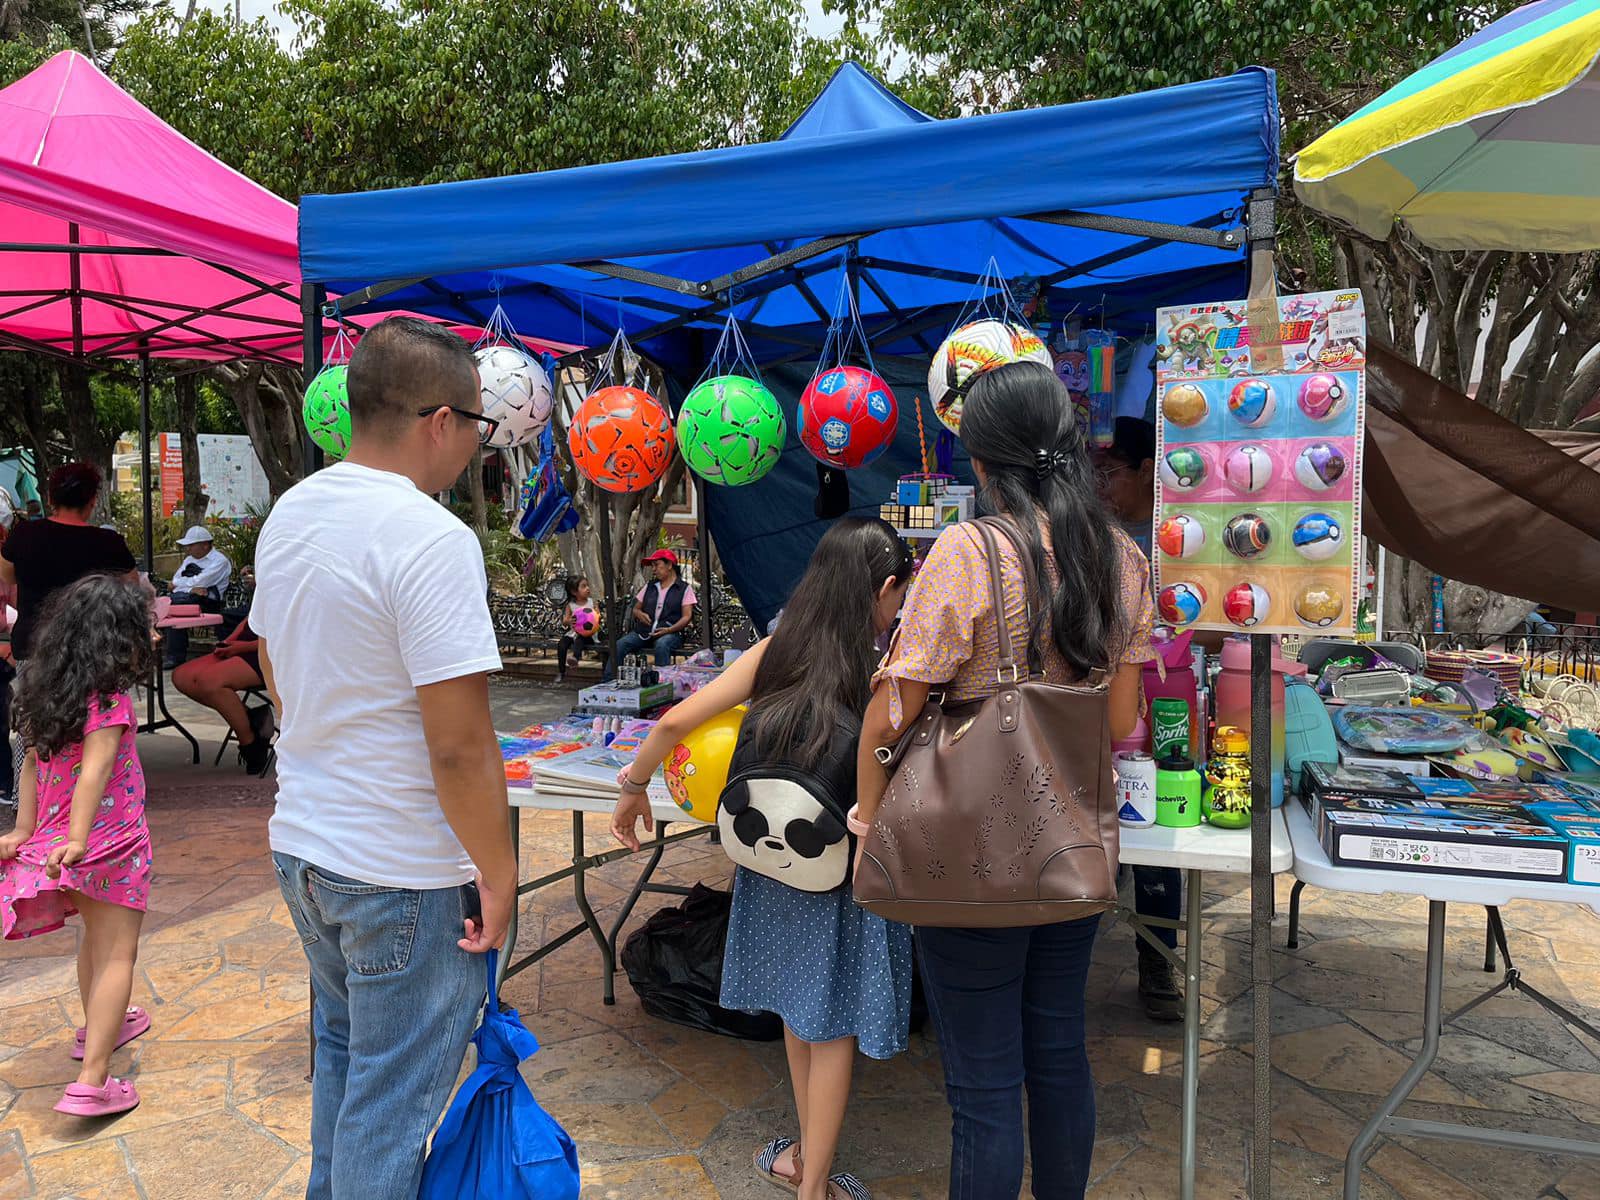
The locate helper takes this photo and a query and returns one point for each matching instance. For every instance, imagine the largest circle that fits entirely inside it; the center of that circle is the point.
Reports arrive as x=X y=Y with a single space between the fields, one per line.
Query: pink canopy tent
x=122 y=237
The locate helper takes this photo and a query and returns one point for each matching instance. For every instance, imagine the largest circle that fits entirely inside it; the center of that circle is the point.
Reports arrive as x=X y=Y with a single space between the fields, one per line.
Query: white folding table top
x=1311 y=864
x=1199 y=849
x=1203 y=848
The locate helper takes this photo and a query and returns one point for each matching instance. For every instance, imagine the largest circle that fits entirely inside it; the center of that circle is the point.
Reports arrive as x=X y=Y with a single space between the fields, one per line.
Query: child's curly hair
x=94 y=641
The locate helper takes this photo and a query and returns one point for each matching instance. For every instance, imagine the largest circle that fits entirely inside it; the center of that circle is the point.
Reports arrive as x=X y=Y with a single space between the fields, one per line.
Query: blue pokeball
x=1251 y=401
x=1180 y=603
x=1318 y=536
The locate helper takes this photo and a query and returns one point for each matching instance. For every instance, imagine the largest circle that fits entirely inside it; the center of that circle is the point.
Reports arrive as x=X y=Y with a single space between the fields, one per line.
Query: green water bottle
x=1177 y=791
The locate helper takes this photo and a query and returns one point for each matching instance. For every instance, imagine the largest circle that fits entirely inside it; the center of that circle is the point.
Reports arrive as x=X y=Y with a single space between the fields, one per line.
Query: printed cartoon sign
x=1258 y=489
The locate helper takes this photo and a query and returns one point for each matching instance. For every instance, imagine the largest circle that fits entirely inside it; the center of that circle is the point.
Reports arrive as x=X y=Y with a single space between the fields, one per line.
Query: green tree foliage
x=374 y=95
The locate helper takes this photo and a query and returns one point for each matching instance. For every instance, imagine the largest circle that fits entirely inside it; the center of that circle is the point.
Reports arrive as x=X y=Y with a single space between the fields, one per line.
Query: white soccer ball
x=516 y=392
x=968 y=352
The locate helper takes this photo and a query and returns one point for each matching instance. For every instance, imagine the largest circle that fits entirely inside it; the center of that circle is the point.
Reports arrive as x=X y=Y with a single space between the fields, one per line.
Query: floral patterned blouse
x=948 y=632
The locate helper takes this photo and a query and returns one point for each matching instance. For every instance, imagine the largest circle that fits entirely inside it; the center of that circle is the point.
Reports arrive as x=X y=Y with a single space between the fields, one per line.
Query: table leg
x=1432 y=1005
x=580 y=893
x=1191 y=1037
x=1488 y=941
x=1293 y=942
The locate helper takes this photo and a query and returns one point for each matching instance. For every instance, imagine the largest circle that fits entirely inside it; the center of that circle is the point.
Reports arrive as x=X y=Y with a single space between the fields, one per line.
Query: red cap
x=661 y=556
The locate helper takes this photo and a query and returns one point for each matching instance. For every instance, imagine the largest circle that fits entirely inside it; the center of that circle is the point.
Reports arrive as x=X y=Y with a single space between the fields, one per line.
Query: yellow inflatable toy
x=697 y=770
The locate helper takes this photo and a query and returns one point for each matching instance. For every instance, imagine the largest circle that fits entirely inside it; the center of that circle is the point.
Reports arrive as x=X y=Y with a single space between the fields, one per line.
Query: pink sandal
x=113 y=1097
x=134 y=1022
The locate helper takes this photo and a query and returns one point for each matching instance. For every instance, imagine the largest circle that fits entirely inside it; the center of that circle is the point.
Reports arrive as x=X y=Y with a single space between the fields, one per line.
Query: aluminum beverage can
x=1169 y=725
x=1136 y=788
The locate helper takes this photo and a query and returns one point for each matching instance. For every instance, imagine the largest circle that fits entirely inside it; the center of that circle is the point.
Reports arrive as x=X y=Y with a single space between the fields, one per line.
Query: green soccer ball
x=731 y=430
x=326 y=412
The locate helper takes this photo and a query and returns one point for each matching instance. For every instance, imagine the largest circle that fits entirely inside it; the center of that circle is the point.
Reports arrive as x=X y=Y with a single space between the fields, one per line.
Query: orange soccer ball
x=621 y=438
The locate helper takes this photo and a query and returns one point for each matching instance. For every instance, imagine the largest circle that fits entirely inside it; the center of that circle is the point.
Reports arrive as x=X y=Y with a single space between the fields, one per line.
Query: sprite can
x=1169 y=725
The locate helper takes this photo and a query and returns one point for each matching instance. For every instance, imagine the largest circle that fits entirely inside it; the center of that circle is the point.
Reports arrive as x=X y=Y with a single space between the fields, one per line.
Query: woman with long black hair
x=838 y=976
x=1008 y=1004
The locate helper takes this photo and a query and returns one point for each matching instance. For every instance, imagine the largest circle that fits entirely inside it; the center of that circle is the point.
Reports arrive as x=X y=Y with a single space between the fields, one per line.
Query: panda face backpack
x=787 y=822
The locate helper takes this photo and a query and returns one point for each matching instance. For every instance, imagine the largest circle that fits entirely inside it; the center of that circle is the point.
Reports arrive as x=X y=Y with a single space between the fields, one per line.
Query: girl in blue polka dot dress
x=839 y=976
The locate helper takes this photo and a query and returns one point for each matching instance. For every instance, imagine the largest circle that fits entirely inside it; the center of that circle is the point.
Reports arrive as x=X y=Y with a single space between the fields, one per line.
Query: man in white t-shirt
x=377 y=646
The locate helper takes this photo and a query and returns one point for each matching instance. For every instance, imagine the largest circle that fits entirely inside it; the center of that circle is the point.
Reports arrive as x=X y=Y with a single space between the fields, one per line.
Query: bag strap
x=491 y=960
x=988 y=526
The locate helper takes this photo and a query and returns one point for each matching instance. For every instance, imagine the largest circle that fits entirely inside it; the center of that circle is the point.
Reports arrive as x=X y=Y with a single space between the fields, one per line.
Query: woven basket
x=1450 y=666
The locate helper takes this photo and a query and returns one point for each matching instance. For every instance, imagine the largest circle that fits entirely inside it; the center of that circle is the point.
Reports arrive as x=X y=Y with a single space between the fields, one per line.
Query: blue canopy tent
x=1116 y=206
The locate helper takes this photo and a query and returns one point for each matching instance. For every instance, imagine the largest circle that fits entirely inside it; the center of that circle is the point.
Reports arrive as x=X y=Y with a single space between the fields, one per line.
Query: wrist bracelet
x=628 y=785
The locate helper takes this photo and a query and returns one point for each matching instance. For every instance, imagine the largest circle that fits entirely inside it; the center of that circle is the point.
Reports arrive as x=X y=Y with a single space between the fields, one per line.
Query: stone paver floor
x=660 y=1111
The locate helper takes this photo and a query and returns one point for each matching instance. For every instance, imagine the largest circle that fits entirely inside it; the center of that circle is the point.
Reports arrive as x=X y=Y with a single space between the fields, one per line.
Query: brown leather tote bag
x=999 y=811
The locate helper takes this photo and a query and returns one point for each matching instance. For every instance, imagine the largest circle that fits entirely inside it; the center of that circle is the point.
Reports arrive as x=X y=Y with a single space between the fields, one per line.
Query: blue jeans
x=1007 y=1005
x=396 y=1003
x=665 y=646
x=1158 y=892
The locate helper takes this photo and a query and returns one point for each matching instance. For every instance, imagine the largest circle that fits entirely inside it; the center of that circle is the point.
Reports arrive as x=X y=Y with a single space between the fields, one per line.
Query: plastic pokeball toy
x=1323 y=396
x=1318 y=606
x=1181 y=536
x=1247 y=468
x=1319 y=467
x=1247 y=536
x=1318 y=536
x=1183 y=468
x=1246 y=604
x=1252 y=402
x=1180 y=603
x=1184 y=405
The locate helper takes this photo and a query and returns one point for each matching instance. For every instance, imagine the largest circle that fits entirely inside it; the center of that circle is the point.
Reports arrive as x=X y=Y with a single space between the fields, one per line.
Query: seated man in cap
x=662 y=610
x=201 y=579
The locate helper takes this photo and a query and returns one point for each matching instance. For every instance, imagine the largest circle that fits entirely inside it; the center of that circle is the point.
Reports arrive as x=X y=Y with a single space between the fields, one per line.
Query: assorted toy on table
x=1259 y=436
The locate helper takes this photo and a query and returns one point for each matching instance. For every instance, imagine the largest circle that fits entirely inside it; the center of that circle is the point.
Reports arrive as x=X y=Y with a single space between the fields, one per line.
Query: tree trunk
x=480 y=509
x=268 y=400
x=1470 y=610
x=27 y=420
x=89 y=442
x=195 y=501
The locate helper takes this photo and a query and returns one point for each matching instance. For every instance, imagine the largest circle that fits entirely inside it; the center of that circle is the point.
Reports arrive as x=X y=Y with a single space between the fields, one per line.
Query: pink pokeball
x=1323 y=396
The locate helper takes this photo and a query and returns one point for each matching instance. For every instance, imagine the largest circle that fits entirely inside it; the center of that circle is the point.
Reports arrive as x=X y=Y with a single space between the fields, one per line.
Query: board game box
x=1442 y=836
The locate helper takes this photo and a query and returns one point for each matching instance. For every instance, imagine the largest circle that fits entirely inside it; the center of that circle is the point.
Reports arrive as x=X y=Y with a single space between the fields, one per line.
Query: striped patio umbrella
x=1492 y=146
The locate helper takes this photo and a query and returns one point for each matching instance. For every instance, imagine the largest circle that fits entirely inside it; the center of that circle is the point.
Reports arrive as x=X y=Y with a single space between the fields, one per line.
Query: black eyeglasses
x=486 y=425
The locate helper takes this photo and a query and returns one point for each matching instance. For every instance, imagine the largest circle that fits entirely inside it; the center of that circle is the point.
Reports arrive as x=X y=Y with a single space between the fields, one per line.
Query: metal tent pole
x=311 y=297
x=1261 y=224
x=148 y=515
x=608 y=576
x=702 y=537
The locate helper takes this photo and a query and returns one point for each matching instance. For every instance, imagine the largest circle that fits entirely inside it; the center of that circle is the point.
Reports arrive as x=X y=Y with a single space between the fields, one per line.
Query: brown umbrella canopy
x=1474 y=497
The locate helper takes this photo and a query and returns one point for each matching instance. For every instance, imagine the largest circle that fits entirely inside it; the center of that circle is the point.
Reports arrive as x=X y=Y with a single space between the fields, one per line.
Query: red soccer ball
x=621 y=437
x=847 y=416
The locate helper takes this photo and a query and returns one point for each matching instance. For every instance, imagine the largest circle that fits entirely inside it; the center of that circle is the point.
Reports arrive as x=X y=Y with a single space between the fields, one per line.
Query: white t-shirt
x=368 y=589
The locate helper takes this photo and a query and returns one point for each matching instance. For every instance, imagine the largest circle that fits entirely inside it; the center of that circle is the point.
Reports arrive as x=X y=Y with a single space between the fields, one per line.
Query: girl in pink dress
x=81 y=844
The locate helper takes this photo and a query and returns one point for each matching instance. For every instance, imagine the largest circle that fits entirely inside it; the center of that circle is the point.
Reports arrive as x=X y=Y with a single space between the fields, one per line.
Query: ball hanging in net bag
x=847 y=416
x=326 y=411
x=516 y=391
x=731 y=430
x=621 y=438
x=970 y=350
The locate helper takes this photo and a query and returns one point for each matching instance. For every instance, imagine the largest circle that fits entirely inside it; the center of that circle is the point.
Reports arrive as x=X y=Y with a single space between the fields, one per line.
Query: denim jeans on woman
x=396 y=1003
x=1007 y=1005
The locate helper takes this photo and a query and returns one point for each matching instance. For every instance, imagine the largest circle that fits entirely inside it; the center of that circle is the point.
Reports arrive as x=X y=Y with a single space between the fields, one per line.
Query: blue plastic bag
x=547 y=505
x=496 y=1142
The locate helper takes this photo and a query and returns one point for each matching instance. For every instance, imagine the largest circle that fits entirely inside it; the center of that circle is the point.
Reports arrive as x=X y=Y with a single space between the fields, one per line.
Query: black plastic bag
x=674 y=962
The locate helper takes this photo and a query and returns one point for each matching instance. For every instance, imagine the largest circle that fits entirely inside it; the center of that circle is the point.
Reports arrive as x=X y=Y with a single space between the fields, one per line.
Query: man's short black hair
x=1133 y=441
x=403 y=364
x=74 y=485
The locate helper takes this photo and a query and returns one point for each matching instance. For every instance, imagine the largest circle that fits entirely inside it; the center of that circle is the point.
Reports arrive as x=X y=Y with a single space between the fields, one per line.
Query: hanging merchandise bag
x=495 y=1142
x=547 y=505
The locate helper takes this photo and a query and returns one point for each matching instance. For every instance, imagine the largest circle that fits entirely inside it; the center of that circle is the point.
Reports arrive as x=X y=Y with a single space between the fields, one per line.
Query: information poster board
x=230 y=474
x=1259 y=441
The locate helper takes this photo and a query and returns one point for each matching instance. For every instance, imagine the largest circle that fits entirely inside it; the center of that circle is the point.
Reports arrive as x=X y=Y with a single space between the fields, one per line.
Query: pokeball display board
x=1259 y=429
